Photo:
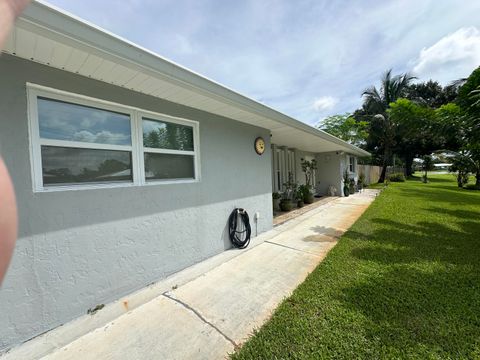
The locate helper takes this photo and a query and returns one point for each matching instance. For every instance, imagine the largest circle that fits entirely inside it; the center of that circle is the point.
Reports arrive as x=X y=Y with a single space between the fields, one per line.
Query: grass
x=376 y=186
x=403 y=282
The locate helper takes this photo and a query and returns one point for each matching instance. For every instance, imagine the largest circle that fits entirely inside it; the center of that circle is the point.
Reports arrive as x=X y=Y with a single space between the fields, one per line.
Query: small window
x=80 y=142
x=164 y=135
x=168 y=150
x=352 y=164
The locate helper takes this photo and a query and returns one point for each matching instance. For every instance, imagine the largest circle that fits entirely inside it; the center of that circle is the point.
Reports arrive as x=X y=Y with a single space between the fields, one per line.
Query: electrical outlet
x=257 y=215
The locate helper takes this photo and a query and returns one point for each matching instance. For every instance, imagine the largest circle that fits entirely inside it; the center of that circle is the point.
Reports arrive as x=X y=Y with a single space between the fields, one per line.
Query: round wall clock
x=259 y=145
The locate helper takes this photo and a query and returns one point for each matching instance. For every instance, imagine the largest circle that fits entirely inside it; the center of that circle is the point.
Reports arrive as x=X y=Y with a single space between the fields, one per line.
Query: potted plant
x=276 y=201
x=346 y=188
x=286 y=204
x=308 y=167
x=306 y=194
x=308 y=197
x=290 y=189
x=299 y=197
x=352 y=186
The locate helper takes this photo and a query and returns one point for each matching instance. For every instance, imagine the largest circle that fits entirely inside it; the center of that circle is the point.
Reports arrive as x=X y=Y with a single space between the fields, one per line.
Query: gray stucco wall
x=331 y=167
x=330 y=170
x=77 y=249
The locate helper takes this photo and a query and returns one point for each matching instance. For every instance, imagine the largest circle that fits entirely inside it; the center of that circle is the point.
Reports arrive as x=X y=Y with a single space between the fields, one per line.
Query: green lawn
x=403 y=282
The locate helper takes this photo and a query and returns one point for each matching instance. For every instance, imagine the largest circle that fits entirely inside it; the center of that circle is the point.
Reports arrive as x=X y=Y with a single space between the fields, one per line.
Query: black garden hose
x=239 y=228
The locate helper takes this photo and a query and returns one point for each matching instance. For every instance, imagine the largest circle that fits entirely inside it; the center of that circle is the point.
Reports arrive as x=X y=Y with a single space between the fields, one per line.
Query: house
x=127 y=166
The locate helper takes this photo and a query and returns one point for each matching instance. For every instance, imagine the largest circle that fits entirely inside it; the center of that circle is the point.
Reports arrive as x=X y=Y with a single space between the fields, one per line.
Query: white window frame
x=148 y=115
x=352 y=168
x=35 y=91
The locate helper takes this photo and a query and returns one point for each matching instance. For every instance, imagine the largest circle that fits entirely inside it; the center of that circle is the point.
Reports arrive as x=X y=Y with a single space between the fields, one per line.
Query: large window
x=79 y=142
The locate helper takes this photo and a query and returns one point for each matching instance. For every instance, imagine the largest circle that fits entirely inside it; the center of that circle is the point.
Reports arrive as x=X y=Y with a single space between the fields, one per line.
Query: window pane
x=165 y=135
x=168 y=166
x=63 y=165
x=65 y=121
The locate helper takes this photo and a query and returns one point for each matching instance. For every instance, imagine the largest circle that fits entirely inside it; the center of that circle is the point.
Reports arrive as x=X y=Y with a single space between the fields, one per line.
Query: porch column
x=274 y=168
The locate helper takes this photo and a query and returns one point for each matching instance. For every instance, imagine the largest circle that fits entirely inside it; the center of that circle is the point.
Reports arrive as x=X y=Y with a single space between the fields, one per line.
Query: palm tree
x=376 y=102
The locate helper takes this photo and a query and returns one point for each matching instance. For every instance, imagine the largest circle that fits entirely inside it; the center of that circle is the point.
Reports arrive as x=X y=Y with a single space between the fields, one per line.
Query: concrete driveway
x=214 y=309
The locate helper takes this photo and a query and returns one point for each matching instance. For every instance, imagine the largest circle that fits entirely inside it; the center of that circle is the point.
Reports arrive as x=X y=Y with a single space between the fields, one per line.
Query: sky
x=306 y=58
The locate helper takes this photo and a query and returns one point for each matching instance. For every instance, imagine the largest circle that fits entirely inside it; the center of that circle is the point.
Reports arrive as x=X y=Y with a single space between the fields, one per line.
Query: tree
x=463 y=167
x=415 y=133
x=151 y=139
x=449 y=129
x=468 y=101
x=347 y=128
x=431 y=93
x=427 y=166
x=376 y=102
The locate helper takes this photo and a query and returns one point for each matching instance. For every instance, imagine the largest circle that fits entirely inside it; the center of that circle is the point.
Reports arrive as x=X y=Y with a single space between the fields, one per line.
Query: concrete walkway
x=215 y=311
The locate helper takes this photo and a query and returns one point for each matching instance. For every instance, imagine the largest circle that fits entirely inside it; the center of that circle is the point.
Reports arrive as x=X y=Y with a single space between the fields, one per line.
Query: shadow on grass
x=403 y=282
x=432 y=194
x=426 y=295
x=396 y=243
x=421 y=311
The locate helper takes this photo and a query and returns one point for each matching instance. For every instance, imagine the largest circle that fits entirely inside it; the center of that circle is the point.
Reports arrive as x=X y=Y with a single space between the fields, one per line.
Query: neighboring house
x=127 y=166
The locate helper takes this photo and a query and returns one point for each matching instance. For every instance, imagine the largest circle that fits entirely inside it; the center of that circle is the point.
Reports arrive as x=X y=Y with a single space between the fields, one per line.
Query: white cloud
x=104 y=137
x=287 y=53
x=452 y=57
x=325 y=103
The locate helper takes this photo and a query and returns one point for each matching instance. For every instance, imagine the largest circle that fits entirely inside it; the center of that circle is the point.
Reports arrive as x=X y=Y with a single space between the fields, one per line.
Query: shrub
x=396 y=177
x=471 y=187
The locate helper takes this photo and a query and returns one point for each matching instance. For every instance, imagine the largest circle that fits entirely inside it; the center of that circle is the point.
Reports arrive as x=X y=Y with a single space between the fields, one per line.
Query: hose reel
x=239 y=228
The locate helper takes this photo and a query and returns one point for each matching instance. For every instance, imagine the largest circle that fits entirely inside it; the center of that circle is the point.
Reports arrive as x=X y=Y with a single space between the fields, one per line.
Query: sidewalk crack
x=290 y=247
x=188 y=307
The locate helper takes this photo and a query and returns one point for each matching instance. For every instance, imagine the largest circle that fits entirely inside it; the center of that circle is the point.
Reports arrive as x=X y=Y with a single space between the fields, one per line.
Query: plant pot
x=300 y=203
x=346 y=191
x=309 y=198
x=276 y=204
x=286 y=205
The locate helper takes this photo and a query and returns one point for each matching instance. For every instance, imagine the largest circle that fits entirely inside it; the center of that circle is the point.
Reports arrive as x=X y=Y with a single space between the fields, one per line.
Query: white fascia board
x=47 y=18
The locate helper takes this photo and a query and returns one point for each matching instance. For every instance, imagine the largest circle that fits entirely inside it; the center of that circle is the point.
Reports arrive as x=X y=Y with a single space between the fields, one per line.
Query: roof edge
x=43 y=14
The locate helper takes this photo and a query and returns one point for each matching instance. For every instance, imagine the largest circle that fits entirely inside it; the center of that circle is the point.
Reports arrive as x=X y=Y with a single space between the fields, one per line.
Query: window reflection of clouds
x=150 y=125
x=65 y=121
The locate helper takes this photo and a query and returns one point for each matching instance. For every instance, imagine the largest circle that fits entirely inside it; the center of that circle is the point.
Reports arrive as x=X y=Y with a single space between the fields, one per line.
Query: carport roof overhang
x=52 y=37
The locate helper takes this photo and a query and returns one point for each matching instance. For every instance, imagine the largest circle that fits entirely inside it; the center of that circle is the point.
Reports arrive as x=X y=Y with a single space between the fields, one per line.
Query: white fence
x=372 y=172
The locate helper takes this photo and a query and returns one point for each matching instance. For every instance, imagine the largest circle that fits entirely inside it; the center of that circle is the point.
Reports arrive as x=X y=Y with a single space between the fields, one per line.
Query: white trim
x=86 y=186
x=167 y=151
x=353 y=164
x=136 y=148
x=83 y=145
x=148 y=115
x=79 y=99
x=164 y=117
